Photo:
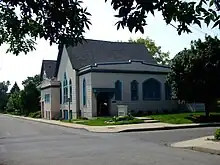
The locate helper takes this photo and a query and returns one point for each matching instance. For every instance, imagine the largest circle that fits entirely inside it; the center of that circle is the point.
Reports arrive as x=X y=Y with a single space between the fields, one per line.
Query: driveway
x=25 y=142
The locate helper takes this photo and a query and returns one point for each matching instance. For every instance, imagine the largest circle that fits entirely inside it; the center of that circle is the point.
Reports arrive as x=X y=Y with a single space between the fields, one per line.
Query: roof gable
x=49 y=67
x=95 y=51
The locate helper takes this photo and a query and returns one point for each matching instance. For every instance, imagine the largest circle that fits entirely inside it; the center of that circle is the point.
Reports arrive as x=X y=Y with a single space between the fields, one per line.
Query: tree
x=15 y=88
x=14 y=103
x=64 y=22
x=35 y=80
x=195 y=73
x=161 y=57
x=3 y=94
x=133 y=13
x=30 y=98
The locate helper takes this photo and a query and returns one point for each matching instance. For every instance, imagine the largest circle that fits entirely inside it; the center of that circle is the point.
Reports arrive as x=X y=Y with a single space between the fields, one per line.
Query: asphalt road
x=25 y=142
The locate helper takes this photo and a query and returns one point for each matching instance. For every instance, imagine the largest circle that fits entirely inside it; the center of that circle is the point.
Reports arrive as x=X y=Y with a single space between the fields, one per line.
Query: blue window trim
x=65 y=89
x=134 y=90
x=70 y=90
x=118 y=90
x=153 y=88
x=84 y=91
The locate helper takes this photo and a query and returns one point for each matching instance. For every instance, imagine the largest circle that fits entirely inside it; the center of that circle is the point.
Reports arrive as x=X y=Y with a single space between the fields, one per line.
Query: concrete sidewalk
x=200 y=144
x=120 y=128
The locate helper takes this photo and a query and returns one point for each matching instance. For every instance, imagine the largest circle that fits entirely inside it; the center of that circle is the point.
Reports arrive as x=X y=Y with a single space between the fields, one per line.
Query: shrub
x=35 y=114
x=217 y=134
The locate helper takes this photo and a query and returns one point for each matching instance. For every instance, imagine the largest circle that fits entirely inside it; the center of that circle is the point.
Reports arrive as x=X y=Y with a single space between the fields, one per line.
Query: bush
x=217 y=134
x=35 y=114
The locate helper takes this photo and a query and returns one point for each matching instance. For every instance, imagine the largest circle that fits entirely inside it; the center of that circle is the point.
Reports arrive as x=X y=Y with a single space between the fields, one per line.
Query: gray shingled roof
x=49 y=67
x=94 y=51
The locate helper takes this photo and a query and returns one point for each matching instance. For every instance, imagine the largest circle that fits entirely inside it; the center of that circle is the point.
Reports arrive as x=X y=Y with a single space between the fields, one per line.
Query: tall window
x=134 y=90
x=168 y=91
x=84 y=92
x=47 y=98
x=118 y=90
x=65 y=89
x=70 y=90
x=151 y=89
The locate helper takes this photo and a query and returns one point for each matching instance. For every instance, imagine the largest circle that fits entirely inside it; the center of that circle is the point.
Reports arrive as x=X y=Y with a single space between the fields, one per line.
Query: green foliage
x=25 y=102
x=14 y=103
x=3 y=95
x=217 y=134
x=161 y=57
x=35 y=80
x=15 y=88
x=195 y=73
x=64 y=22
x=133 y=13
x=35 y=114
x=59 y=21
x=30 y=98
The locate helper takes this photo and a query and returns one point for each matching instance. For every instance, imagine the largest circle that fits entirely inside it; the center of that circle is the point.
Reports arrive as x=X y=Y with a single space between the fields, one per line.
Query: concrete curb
x=202 y=149
x=172 y=127
x=45 y=122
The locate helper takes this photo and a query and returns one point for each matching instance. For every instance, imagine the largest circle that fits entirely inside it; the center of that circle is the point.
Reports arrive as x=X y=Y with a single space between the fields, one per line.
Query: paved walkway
x=200 y=144
x=121 y=128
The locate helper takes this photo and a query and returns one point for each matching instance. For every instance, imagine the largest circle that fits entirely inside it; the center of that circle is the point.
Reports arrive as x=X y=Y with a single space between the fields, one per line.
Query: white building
x=94 y=77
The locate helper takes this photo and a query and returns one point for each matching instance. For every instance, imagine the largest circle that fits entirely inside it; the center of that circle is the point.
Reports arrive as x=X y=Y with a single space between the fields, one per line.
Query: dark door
x=103 y=104
x=65 y=115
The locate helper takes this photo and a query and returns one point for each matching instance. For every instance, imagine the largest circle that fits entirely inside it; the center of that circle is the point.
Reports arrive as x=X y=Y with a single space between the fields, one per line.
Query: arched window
x=70 y=90
x=84 y=92
x=134 y=90
x=118 y=90
x=65 y=89
x=151 y=89
x=168 y=91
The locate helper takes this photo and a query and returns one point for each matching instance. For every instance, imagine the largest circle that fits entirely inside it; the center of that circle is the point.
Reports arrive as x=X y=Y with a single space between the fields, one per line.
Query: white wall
x=47 y=106
x=107 y=80
x=86 y=110
x=66 y=66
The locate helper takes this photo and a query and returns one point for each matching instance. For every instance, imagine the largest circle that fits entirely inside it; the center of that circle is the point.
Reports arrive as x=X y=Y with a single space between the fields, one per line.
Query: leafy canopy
x=133 y=13
x=195 y=72
x=65 y=21
x=23 y=21
x=161 y=57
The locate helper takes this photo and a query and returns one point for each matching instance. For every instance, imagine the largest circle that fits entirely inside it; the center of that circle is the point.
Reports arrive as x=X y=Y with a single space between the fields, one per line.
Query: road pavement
x=25 y=142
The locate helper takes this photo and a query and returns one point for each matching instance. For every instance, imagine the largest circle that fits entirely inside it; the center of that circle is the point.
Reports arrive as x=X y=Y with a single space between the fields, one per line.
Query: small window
x=118 y=90
x=134 y=90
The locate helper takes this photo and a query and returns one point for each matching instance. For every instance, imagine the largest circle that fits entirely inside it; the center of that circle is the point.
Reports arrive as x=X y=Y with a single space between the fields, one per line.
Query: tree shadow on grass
x=203 y=119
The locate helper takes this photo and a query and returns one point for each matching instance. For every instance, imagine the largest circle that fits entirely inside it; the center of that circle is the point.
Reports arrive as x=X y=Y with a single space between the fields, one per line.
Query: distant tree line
x=21 y=102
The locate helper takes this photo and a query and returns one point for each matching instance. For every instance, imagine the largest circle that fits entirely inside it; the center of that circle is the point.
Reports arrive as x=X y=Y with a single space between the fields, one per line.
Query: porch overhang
x=110 y=91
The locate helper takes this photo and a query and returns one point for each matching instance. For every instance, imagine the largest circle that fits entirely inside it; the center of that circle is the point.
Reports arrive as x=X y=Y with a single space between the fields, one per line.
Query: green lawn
x=101 y=121
x=186 y=118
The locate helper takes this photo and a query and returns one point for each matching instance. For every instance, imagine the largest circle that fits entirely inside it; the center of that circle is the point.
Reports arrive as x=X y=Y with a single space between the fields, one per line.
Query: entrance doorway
x=103 y=104
x=103 y=98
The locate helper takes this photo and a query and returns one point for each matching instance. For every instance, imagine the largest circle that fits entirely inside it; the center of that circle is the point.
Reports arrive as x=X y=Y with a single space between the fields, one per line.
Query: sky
x=17 y=68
